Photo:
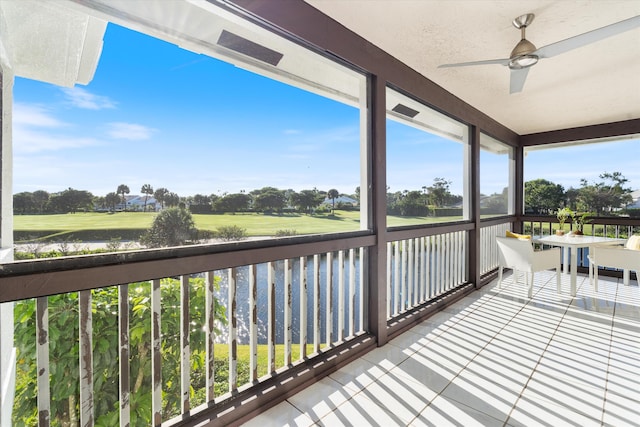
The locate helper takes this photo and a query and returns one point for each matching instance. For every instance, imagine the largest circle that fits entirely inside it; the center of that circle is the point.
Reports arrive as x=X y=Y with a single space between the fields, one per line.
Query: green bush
x=231 y=232
x=172 y=227
x=285 y=233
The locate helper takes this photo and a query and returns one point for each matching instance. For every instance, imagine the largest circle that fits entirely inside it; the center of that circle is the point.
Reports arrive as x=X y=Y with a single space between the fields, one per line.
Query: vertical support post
x=473 y=165
x=271 y=324
x=316 y=303
x=518 y=186
x=253 y=324
x=388 y=271
x=409 y=271
x=86 y=359
x=397 y=283
x=377 y=169
x=404 y=277
x=210 y=312
x=303 y=307
x=233 y=331
x=123 y=326
x=424 y=272
x=439 y=253
x=340 y=295
x=288 y=298
x=329 y=292
x=361 y=264
x=352 y=292
x=156 y=355
x=416 y=271
x=185 y=354
x=42 y=361
x=7 y=348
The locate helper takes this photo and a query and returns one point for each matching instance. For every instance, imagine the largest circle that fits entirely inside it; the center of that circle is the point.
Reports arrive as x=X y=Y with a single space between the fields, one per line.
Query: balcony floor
x=495 y=358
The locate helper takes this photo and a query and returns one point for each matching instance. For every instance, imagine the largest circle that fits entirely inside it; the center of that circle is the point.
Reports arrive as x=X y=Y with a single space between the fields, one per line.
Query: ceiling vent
x=249 y=48
x=405 y=111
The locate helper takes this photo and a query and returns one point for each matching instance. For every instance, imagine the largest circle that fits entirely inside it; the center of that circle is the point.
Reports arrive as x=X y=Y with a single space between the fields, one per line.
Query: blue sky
x=156 y=114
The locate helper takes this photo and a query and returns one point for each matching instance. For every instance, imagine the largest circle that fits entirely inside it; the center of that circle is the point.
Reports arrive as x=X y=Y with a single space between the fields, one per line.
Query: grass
x=221 y=351
x=255 y=224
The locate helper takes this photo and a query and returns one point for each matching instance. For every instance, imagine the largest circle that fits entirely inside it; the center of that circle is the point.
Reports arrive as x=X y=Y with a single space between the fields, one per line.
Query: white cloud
x=131 y=131
x=82 y=98
x=291 y=132
x=35 y=129
x=34 y=115
x=26 y=140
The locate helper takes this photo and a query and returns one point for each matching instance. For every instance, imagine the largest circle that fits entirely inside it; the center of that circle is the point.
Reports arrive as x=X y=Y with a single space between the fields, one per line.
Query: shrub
x=231 y=232
x=285 y=233
x=114 y=244
x=172 y=227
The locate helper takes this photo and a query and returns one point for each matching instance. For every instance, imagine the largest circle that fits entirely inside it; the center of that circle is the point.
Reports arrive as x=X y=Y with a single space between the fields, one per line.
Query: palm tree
x=147 y=190
x=123 y=189
x=111 y=200
x=160 y=194
x=333 y=194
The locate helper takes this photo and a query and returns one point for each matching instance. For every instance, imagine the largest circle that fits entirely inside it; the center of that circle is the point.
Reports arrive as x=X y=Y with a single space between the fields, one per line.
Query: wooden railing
x=488 y=247
x=153 y=339
x=422 y=268
x=163 y=335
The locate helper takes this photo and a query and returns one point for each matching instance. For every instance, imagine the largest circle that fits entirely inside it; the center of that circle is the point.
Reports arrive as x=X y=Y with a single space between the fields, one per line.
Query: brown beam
x=377 y=310
x=605 y=130
x=474 y=193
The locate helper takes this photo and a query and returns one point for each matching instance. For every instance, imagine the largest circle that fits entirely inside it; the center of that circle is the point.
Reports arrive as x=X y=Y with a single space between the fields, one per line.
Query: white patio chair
x=519 y=255
x=624 y=258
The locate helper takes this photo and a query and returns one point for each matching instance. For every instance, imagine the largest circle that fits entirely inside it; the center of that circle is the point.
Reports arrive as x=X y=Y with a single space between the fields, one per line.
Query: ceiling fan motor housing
x=522 y=55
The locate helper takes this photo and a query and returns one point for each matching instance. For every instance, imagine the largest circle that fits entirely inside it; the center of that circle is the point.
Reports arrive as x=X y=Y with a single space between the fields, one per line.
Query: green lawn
x=255 y=224
x=221 y=352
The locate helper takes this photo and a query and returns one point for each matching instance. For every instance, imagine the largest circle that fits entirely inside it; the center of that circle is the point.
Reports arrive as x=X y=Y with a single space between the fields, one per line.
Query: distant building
x=133 y=203
x=635 y=204
x=137 y=203
x=345 y=200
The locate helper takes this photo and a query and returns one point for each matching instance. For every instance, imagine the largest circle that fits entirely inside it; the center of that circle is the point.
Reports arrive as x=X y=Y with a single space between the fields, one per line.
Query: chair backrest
x=515 y=253
x=633 y=243
x=620 y=258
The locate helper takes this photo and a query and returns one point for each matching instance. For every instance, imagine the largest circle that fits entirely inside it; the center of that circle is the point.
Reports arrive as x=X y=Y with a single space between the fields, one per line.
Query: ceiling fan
x=525 y=54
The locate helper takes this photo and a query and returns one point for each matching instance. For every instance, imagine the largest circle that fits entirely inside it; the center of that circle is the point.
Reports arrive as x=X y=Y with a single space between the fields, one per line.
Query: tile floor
x=495 y=358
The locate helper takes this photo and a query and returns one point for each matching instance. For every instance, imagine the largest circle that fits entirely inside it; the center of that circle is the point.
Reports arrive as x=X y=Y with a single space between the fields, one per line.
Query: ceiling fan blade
x=487 y=62
x=584 y=39
x=518 y=78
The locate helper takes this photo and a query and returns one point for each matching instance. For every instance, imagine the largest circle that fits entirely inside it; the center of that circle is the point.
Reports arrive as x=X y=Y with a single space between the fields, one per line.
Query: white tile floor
x=496 y=358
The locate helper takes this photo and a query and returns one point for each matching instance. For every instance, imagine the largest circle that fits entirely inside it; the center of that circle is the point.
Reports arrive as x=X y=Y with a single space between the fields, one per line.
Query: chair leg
x=558 y=285
x=626 y=276
x=530 y=285
x=500 y=277
x=595 y=278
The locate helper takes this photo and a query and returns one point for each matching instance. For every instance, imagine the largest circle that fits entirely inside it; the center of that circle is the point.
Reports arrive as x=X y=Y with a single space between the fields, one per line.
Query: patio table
x=574 y=242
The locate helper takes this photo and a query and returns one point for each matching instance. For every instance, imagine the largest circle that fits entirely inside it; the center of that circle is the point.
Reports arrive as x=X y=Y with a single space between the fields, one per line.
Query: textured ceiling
x=595 y=84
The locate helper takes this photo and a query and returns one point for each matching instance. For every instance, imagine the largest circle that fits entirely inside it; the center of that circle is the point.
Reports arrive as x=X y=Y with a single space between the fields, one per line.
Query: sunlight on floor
x=495 y=358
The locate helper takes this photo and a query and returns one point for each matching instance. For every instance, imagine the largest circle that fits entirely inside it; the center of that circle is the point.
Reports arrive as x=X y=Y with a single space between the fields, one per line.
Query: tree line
x=266 y=199
x=541 y=196
x=608 y=196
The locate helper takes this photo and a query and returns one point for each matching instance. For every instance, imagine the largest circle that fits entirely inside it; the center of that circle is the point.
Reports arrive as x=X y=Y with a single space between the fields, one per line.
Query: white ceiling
x=603 y=87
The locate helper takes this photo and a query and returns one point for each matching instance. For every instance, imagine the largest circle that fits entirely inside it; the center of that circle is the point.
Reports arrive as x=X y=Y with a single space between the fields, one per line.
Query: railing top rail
x=29 y=279
x=488 y=222
x=600 y=220
x=408 y=232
